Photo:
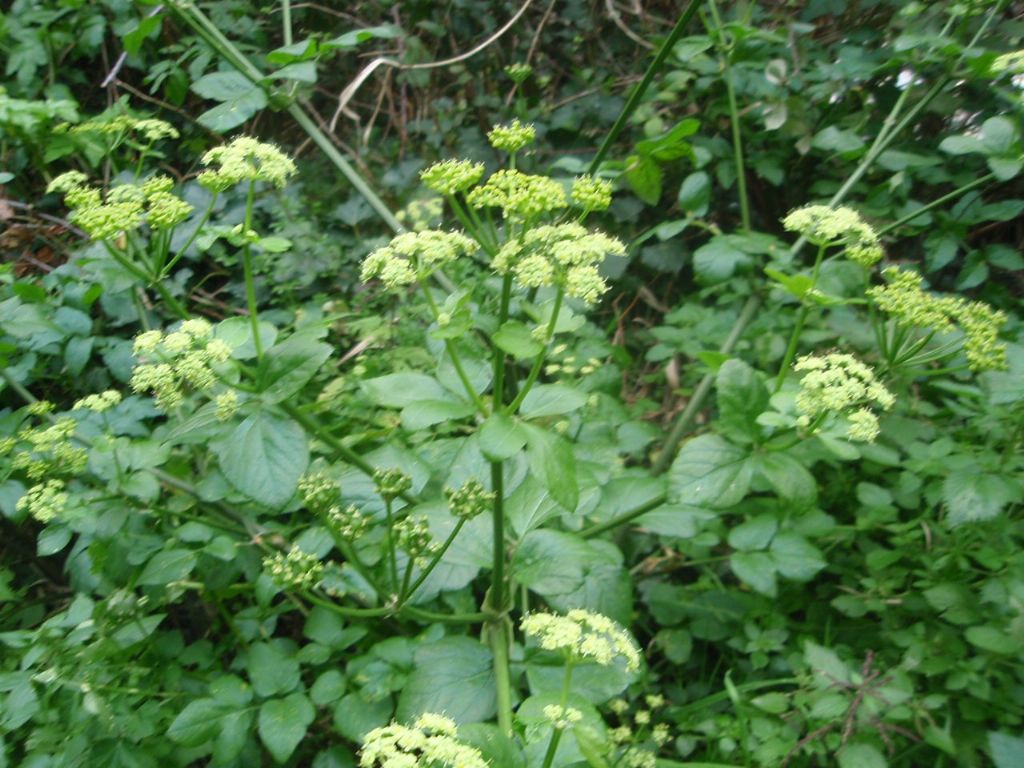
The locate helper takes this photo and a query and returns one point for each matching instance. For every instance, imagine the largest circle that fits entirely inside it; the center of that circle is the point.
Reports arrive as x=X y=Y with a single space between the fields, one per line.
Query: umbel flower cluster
x=583 y=636
x=123 y=208
x=837 y=227
x=909 y=305
x=171 y=361
x=840 y=385
x=431 y=742
x=294 y=570
x=245 y=159
x=322 y=497
x=149 y=129
x=563 y=255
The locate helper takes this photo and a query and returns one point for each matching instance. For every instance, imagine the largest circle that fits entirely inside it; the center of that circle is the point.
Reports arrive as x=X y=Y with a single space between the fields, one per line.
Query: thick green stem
x=556 y=732
x=634 y=98
x=936 y=203
x=538 y=362
x=794 y=338
x=499 y=628
x=389 y=544
x=250 y=281
x=499 y=633
x=286 y=21
x=456 y=359
x=734 y=119
x=497 y=596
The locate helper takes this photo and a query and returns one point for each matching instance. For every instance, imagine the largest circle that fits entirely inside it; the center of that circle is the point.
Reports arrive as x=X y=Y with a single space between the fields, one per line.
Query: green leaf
x=756 y=569
x=303 y=50
x=551 y=400
x=397 y=390
x=553 y=463
x=742 y=397
x=516 y=339
x=357 y=36
x=328 y=688
x=168 y=566
x=644 y=177
x=530 y=506
x=795 y=285
x=670 y=145
x=222 y=86
x=196 y=723
x=972 y=496
x=427 y=413
x=827 y=665
x=961 y=145
x=710 y=472
x=454 y=675
x=271 y=671
x=283 y=723
x=795 y=557
x=494 y=745
x=264 y=457
x=1007 y=751
x=502 y=437
x=288 y=366
x=790 y=479
x=992 y=639
x=695 y=193
x=719 y=259
x=755 y=533
x=861 y=755
x=832 y=139
x=998 y=136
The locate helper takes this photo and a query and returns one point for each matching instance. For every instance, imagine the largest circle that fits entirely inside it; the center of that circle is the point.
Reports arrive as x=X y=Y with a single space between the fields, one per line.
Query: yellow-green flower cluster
x=100 y=403
x=150 y=129
x=171 y=361
x=412 y=535
x=319 y=492
x=295 y=570
x=583 y=636
x=391 y=483
x=452 y=176
x=227 y=405
x=245 y=159
x=566 y=255
x=44 y=501
x=469 y=500
x=561 y=717
x=1009 y=62
x=519 y=195
x=512 y=137
x=904 y=298
x=825 y=226
x=125 y=206
x=412 y=256
x=349 y=523
x=49 y=451
x=840 y=385
x=591 y=193
x=431 y=742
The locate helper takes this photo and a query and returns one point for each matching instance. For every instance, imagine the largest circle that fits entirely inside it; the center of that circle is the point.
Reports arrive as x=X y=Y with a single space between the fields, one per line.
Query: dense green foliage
x=678 y=422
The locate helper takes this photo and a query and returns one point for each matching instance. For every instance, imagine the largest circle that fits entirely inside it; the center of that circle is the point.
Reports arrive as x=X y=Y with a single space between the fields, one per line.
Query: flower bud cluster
x=227 y=405
x=512 y=137
x=469 y=500
x=319 y=492
x=124 y=208
x=825 y=226
x=841 y=385
x=170 y=362
x=412 y=535
x=44 y=501
x=391 y=483
x=519 y=195
x=245 y=159
x=591 y=193
x=452 y=176
x=910 y=305
x=431 y=742
x=295 y=570
x=150 y=129
x=412 y=256
x=100 y=403
x=583 y=636
x=49 y=451
x=562 y=718
x=349 y=523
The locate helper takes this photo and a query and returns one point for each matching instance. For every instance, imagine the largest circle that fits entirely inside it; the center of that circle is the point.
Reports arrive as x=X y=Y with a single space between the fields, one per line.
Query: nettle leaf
x=283 y=723
x=264 y=457
x=710 y=472
x=553 y=463
x=742 y=397
x=454 y=675
x=972 y=496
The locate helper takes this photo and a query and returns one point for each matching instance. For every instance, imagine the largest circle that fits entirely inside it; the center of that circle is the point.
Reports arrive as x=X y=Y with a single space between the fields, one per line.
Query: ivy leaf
x=710 y=472
x=454 y=675
x=283 y=723
x=264 y=457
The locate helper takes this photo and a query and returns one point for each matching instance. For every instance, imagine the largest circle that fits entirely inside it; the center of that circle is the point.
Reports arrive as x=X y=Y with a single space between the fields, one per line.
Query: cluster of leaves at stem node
x=840 y=385
x=583 y=636
x=170 y=361
x=430 y=742
x=837 y=227
x=909 y=305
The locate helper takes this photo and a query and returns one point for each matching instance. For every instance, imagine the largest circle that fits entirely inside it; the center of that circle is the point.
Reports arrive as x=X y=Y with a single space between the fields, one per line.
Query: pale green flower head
x=519 y=195
x=413 y=256
x=825 y=226
x=245 y=159
x=295 y=570
x=591 y=193
x=44 y=501
x=512 y=137
x=150 y=129
x=67 y=181
x=452 y=176
x=169 y=362
x=166 y=211
x=100 y=403
x=227 y=405
x=562 y=718
x=431 y=742
x=348 y=523
x=840 y=386
x=469 y=500
x=583 y=636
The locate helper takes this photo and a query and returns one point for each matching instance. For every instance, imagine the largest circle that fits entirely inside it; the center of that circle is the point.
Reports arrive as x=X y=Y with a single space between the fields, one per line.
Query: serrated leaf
x=271 y=671
x=196 y=723
x=516 y=339
x=165 y=567
x=454 y=675
x=753 y=534
x=283 y=723
x=756 y=569
x=972 y=496
x=552 y=400
x=644 y=177
x=264 y=457
x=742 y=397
x=710 y=472
x=502 y=437
x=795 y=557
x=553 y=463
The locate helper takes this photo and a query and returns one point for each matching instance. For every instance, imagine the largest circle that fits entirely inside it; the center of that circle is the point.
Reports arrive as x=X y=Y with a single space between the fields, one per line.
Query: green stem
x=407 y=593
x=556 y=732
x=389 y=543
x=286 y=21
x=499 y=632
x=936 y=203
x=794 y=338
x=250 y=282
x=625 y=517
x=497 y=597
x=168 y=298
x=498 y=388
x=637 y=94
x=500 y=629
x=734 y=119
x=456 y=359
x=538 y=362
x=191 y=239
x=445 y=618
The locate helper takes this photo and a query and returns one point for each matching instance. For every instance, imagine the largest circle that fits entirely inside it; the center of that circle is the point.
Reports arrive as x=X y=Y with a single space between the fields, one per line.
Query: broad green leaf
x=530 y=506
x=755 y=533
x=197 y=723
x=222 y=86
x=328 y=688
x=670 y=145
x=264 y=457
x=756 y=569
x=357 y=36
x=454 y=675
x=992 y=639
x=553 y=463
x=710 y=472
x=288 y=366
x=283 y=723
x=973 y=496
x=552 y=400
x=516 y=339
x=998 y=136
x=790 y=479
x=1007 y=751
x=644 y=177
x=742 y=397
x=271 y=671
x=861 y=755
x=232 y=736
x=502 y=437
x=493 y=744
x=427 y=413
x=832 y=139
x=828 y=667
x=397 y=390
x=795 y=557
x=695 y=193
x=303 y=50
x=232 y=114
x=355 y=716
x=236 y=332
x=795 y=285
x=165 y=567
